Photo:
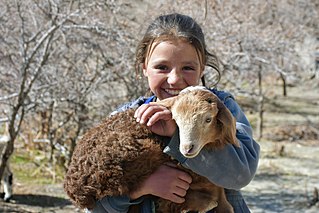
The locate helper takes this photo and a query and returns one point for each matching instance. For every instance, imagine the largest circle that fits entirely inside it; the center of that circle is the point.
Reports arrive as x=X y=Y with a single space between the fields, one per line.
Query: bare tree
x=70 y=59
x=33 y=54
x=73 y=61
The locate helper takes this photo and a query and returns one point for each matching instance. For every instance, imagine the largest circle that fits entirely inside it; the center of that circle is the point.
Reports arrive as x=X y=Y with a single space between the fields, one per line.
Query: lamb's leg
x=134 y=208
x=196 y=200
x=223 y=205
x=199 y=200
x=207 y=196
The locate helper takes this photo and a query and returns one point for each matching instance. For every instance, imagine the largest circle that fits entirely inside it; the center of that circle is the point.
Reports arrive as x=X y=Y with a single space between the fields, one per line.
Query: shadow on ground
x=27 y=202
x=40 y=200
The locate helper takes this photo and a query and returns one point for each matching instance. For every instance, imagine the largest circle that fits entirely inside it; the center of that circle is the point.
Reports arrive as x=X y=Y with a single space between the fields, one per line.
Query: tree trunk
x=260 y=105
x=284 y=85
x=283 y=78
x=49 y=135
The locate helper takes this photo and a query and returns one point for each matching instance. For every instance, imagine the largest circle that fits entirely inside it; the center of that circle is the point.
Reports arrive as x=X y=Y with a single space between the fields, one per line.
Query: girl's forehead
x=180 y=43
x=170 y=40
x=177 y=44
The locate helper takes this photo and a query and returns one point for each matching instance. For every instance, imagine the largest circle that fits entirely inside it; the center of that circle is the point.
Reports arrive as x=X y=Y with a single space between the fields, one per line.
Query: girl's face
x=172 y=66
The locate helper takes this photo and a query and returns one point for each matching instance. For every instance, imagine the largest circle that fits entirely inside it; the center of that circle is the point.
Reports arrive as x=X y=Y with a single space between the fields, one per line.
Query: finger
x=182 y=185
x=143 y=112
x=149 y=112
x=176 y=199
x=185 y=177
x=139 y=111
x=160 y=115
x=180 y=192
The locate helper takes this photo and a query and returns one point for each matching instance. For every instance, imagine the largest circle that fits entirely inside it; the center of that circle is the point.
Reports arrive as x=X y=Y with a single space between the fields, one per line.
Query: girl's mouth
x=172 y=91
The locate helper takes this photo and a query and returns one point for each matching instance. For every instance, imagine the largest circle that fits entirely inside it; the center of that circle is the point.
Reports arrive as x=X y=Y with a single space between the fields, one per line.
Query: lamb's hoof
x=211 y=206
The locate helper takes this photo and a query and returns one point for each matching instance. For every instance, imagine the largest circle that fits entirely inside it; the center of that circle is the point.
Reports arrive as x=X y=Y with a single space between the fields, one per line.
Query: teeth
x=172 y=92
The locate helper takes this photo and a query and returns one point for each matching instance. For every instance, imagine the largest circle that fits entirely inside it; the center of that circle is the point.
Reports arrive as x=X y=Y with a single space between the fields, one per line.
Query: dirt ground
x=38 y=198
x=285 y=182
x=286 y=179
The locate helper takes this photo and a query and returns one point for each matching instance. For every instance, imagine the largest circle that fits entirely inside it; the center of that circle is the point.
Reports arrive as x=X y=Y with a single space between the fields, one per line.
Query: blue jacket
x=236 y=166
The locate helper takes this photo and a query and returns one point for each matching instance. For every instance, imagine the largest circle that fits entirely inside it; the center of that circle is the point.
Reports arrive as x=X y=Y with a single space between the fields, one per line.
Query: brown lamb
x=115 y=157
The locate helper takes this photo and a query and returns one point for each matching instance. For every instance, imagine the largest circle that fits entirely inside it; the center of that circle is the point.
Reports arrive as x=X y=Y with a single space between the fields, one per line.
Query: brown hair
x=175 y=26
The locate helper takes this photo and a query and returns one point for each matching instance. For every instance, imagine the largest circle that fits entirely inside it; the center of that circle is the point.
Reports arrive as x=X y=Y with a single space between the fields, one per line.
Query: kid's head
x=173 y=55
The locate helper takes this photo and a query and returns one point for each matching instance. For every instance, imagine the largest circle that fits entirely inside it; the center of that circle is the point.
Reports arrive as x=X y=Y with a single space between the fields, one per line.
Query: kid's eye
x=188 y=68
x=161 y=67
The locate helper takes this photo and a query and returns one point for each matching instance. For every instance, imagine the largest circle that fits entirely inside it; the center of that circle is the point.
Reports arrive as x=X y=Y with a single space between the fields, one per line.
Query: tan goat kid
x=115 y=157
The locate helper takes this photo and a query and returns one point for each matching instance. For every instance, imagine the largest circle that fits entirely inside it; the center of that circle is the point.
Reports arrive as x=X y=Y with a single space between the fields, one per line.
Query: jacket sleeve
x=231 y=167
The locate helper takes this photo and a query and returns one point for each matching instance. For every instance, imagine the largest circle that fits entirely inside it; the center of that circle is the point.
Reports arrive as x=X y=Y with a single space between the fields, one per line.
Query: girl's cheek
x=192 y=80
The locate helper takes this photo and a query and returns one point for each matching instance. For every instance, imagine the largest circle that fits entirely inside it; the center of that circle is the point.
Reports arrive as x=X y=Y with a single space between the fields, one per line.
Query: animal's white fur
x=7 y=174
x=198 y=119
x=192 y=88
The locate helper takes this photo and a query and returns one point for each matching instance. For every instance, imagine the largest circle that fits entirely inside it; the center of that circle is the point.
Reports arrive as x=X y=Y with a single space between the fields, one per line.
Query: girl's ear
x=144 y=69
x=202 y=71
x=228 y=124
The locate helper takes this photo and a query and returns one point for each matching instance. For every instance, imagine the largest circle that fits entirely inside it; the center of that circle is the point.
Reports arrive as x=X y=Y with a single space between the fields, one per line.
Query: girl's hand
x=157 y=117
x=166 y=182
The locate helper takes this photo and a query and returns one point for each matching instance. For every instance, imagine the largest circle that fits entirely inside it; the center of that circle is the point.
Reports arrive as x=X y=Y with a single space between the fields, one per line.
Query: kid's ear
x=144 y=69
x=202 y=72
x=168 y=102
x=228 y=124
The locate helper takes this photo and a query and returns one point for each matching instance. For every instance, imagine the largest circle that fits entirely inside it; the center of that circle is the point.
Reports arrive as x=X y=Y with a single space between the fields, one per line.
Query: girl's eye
x=161 y=67
x=188 y=68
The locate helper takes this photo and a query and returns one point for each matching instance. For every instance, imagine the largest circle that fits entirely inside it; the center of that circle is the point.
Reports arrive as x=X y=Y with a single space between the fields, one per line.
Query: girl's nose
x=174 y=76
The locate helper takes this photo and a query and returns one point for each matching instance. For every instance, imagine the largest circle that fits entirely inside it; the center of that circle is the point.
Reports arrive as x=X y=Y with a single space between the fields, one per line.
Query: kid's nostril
x=190 y=148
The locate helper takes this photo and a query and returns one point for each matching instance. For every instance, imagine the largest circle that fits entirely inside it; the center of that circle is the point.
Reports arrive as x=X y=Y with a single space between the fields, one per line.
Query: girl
x=173 y=56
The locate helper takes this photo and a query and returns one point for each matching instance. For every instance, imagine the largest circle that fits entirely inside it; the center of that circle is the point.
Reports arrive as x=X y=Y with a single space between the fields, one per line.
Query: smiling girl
x=172 y=56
